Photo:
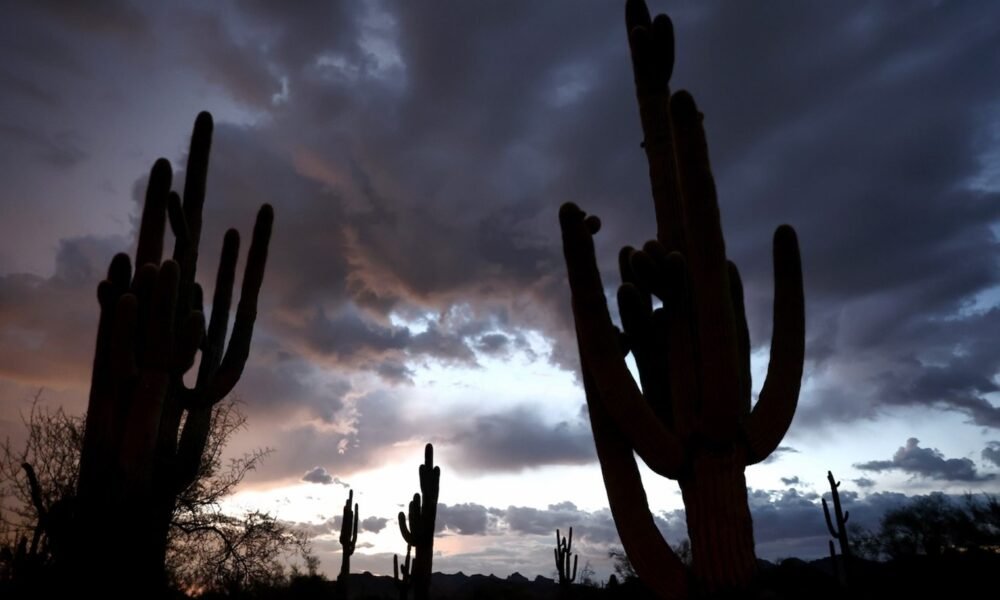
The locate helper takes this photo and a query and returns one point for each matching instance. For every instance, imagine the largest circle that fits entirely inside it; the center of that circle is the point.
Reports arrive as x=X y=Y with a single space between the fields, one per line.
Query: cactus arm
x=772 y=415
x=705 y=255
x=829 y=522
x=651 y=45
x=654 y=561
x=600 y=352
x=246 y=311
x=196 y=177
x=215 y=338
x=149 y=249
x=404 y=530
x=142 y=420
x=99 y=442
x=354 y=536
x=742 y=338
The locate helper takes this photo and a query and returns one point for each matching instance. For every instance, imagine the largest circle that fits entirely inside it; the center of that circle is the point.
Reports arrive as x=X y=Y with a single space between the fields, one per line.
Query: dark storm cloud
x=382 y=421
x=778 y=453
x=374 y=524
x=105 y=17
x=318 y=475
x=48 y=324
x=929 y=463
x=991 y=453
x=416 y=155
x=793 y=480
x=60 y=150
x=518 y=440
x=592 y=527
x=463 y=519
x=321 y=475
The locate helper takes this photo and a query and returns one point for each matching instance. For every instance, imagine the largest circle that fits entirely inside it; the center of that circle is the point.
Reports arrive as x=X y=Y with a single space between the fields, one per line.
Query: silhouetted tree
x=206 y=549
x=691 y=420
x=621 y=564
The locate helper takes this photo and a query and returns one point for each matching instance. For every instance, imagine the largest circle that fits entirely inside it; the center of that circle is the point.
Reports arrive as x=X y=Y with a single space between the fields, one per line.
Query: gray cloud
x=464 y=519
x=778 y=452
x=322 y=476
x=369 y=226
x=318 y=475
x=374 y=524
x=517 y=440
x=794 y=480
x=991 y=453
x=927 y=462
x=863 y=482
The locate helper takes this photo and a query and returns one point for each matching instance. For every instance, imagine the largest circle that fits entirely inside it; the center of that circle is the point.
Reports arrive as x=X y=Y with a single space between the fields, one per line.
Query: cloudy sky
x=416 y=154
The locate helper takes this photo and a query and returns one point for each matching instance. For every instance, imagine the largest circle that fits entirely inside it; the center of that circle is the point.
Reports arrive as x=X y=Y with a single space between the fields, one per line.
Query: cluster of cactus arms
x=563 y=551
x=419 y=531
x=691 y=420
x=401 y=574
x=839 y=531
x=146 y=430
x=348 y=541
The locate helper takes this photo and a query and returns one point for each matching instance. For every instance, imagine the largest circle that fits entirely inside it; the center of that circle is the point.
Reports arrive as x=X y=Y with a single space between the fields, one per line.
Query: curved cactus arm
x=829 y=521
x=246 y=311
x=600 y=351
x=772 y=415
x=412 y=533
x=742 y=337
x=654 y=561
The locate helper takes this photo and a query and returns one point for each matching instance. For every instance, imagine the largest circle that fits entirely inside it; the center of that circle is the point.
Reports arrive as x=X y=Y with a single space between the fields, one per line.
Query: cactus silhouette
x=401 y=574
x=348 y=540
x=420 y=532
x=562 y=553
x=146 y=430
x=839 y=531
x=692 y=419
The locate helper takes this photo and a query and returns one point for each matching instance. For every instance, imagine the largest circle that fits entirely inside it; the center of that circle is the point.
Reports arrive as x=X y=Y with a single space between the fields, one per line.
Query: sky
x=416 y=154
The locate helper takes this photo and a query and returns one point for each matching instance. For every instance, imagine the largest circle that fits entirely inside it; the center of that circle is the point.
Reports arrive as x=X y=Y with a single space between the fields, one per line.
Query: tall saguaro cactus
x=690 y=417
x=146 y=430
x=839 y=531
x=348 y=541
x=562 y=552
x=420 y=532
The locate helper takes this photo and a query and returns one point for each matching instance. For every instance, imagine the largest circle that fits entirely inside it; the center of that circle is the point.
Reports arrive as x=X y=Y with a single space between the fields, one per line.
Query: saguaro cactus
x=348 y=541
x=420 y=532
x=146 y=430
x=401 y=574
x=562 y=553
x=839 y=531
x=692 y=419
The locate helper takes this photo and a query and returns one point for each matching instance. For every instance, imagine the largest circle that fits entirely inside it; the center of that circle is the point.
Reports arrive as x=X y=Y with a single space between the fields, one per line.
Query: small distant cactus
x=562 y=553
x=839 y=532
x=402 y=582
x=348 y=541
x=420 y=532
